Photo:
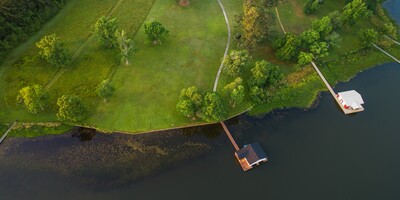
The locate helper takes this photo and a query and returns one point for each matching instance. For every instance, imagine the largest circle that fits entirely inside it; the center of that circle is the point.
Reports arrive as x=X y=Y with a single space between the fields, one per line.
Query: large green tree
x=105 y=90
x=190 y=102
x=213 y=108
x=368 y=37
x=354 y=11
x=289 y=50
x=235 y=61
x=312 y=6
x=33 y=98
x=71 y=108
x=155 y=32
x=255 y=23
x=236 y=91
x=105 y=30
x=322 y=26
x=125 y=46
x=54 y=51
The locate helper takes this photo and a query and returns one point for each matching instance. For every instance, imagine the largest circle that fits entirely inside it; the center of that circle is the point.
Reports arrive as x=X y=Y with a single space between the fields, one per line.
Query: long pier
x=391 y=39
x=6 y=133
x=345 y=111
x=388 y=54
x=230 y=136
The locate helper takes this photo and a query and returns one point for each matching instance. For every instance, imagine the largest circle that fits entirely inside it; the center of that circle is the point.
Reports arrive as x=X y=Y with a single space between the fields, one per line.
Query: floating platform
x=248 y=156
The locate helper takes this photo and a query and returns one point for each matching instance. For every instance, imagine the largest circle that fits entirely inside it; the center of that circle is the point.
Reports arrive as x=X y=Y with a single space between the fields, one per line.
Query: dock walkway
x=391 y=39
x=388 y=54
x=6 y=133
x=345 y=111
x=230 y=136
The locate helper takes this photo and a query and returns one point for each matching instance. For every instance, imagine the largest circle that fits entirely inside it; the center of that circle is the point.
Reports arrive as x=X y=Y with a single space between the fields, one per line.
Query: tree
x=33 y=98
x=309 y=37
x=255 y=23
x=236 y=91
x=155 y=32
x=105 y=30
x=237 y=95
x=213 y=108
x=104 y=90
x=235 y=61
x=322 y=26
x=234 y=84
x=368 y=37
x=257 y=94
x=265 y=74
x=354 y=11
x=125 y=45
x=305 y=58
x=190 y=102
x=333 y=40
x=259 y=72
x=289 y=50
x=54 y=51
x=336 y=20
x=312 y=5
x=71 y=108
x=319 y=49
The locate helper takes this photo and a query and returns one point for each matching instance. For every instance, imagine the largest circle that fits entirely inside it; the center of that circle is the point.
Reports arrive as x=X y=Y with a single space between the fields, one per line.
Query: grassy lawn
x=149 y=88
x=92 y=64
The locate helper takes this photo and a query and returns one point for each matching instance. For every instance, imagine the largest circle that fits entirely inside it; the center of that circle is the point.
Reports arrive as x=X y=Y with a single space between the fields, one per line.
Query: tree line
x=21 y=18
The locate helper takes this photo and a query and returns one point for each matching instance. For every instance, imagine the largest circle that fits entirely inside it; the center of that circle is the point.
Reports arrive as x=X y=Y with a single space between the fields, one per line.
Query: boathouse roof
x=252 y=152
x=351 y=98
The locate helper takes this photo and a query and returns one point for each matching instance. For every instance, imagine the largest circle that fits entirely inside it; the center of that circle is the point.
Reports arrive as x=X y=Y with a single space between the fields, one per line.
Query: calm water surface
x=315 y=154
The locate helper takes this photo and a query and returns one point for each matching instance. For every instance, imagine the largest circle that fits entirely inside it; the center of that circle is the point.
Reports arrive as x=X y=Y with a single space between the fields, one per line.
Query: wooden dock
x=334 y=95
x=6 y=133
x=388 y=54
x=391 y=39
x=230 y=136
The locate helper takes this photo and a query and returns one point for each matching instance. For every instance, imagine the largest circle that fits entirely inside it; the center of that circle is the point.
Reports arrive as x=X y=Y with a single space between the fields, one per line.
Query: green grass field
x=148 y=89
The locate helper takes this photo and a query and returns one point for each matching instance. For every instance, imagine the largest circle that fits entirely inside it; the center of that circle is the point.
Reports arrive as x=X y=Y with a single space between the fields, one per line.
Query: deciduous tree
x=71 y=108
x=213 y=108
x=125 y=46
x=235 y=61
x=33 y=98
x=368 y=37
x=354 y=11
x=54 y=51
x=155 y=32
x=190 y=102
x=105 y=30
x=105 y=90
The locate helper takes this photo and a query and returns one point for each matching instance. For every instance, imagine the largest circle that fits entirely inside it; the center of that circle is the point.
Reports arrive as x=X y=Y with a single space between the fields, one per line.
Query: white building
x=350 y=99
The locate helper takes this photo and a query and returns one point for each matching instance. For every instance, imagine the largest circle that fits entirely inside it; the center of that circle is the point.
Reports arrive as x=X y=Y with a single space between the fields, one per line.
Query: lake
x=318 y=153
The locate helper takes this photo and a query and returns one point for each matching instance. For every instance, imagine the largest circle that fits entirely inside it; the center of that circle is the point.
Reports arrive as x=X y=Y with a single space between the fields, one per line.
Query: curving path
x=279 y=19
x=227 y=46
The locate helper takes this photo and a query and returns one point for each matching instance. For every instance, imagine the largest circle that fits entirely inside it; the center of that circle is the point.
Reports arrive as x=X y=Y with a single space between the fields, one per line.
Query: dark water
x=315 y=154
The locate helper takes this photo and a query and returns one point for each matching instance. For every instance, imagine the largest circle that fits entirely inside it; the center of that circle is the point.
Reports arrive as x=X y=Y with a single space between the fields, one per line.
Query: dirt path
x=279 y=20
x=227 y=46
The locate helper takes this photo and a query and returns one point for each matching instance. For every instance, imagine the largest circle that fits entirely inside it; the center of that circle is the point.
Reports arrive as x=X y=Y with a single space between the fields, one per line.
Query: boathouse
x=350 y=100
x=250 y=155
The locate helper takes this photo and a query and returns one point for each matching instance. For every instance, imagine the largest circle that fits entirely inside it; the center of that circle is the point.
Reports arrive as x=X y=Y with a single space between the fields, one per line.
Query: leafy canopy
x=33 y=98
x=71 y=108
x=54 y=51
x=155 y=31
x=105 y=30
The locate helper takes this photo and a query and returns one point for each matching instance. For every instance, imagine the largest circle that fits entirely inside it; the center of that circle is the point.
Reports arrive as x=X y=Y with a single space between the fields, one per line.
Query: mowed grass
x=148 y=89
x=92 y=64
